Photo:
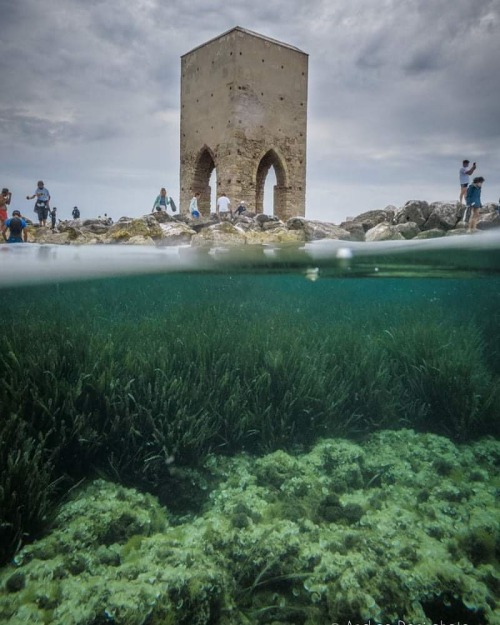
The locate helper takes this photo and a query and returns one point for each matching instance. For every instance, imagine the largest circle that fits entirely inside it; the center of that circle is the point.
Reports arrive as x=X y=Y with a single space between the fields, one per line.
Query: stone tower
x=243 y=111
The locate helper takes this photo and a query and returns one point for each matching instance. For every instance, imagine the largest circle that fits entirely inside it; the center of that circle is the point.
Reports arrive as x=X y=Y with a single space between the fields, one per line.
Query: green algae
x=405 y=558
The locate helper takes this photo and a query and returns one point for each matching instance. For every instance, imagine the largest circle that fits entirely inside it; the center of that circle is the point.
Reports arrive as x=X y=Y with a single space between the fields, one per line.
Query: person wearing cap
x=42 y=202
x=75 y=213
x=241 y=208
x=464 y=176
x=16 y=227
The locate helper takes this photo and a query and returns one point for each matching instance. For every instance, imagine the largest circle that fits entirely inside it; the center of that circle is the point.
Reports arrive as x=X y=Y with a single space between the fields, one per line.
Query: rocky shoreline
x=415 y=220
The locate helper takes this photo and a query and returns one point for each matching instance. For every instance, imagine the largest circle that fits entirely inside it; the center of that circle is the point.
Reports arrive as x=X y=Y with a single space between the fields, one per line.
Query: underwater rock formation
x=401 y=526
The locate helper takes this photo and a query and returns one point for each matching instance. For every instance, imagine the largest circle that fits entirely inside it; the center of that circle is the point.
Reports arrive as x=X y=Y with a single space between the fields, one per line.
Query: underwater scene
x=280 y=436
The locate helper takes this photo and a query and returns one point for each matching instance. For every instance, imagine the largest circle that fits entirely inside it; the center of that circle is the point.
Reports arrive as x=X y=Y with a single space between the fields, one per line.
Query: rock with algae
x=400 y=526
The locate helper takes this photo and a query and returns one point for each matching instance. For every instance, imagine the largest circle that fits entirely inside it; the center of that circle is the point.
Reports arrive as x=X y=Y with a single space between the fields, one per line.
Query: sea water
x=289 y=409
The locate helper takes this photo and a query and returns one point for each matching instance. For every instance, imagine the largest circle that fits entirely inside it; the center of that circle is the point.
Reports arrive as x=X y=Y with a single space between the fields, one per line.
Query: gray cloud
x=399 y=91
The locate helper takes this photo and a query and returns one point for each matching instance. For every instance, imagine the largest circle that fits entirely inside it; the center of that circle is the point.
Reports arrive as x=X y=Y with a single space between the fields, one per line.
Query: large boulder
x=175 y=233
x=316 y=230
x=370 y=219
x=443 y=215
x=384 y=232
x=223 y=234
x=146 y=226
x=355 y=229
x=489 y=219
x=276 y=235
x=408 y=229
x=416 y=211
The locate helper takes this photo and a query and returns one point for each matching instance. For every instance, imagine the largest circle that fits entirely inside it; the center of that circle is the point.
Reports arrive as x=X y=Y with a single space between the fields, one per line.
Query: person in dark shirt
x=16 y=227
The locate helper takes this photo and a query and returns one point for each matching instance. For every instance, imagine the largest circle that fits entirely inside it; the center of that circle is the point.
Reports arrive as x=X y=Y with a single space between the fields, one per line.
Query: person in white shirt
x=464 y=175
x=223 y=207
x=193 y=206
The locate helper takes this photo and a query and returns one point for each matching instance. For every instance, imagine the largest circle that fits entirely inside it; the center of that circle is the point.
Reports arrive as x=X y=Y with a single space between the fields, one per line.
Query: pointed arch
x=205 y=164
x=271 y=158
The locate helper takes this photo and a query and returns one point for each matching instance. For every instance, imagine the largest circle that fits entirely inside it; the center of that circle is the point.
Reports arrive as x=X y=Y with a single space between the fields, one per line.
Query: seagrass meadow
x=250 y=447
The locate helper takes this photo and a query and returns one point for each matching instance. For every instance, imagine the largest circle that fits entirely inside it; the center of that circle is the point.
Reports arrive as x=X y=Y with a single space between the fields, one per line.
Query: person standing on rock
x=464 y=176
x=193 y=206
x=42 y=202
x=164 y=202
x=473 y=200
x=75 y=213
x=223 y=207
x=53 y=215
x=5 y=198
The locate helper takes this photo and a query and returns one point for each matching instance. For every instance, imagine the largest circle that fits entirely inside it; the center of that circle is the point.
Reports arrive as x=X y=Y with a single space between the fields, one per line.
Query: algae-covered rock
x=434 y=233
x=400 y=526
x=224 y=234
x=146 y=226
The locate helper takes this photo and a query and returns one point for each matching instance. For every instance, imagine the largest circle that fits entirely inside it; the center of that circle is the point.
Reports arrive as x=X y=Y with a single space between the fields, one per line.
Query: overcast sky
x=400 y=91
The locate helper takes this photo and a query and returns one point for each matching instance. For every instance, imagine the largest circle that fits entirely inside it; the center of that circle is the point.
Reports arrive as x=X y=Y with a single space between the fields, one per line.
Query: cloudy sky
x=400 y=91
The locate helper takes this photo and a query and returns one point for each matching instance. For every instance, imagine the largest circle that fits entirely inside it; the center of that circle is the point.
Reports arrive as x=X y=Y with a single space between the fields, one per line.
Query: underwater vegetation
x=139 y=379
x=402 y=526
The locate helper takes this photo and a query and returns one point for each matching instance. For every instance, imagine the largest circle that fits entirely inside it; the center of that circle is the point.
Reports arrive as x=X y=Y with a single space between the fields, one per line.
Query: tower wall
x=243 y=110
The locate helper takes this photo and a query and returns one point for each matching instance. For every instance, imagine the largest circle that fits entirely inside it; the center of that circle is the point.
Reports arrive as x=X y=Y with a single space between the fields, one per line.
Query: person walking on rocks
x=75 y=213
x=223 y=207
x=473 y=200
x=464 y=176
x=42 y=202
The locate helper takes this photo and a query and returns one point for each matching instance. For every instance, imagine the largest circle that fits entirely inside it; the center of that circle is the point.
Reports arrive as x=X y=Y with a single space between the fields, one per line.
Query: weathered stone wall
x=243 y=110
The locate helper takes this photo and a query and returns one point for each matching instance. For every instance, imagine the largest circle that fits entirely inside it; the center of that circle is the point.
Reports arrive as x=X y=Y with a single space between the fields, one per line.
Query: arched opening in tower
x=205 y=166
x=277 y=191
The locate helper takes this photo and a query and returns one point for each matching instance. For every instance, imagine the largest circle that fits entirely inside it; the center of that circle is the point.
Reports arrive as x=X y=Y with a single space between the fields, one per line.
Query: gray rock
x=489 y=220
x=415 y=211
x=174 y=233
x=271 y=225
x=443 y=215
x=371 y=219
x=384 y=232
x=262 y=219
x=224 y=233
x=435 y=233
x=316 y=230
x=409 y=229
x=355 y=229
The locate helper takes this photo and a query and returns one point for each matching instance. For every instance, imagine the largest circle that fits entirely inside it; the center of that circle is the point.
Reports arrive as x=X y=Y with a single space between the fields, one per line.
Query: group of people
x=165 y=202
x=471 y=193
x=14 y=228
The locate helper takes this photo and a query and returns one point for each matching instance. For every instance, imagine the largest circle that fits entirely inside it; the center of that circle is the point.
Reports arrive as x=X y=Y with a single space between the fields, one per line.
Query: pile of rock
x=415 y=220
